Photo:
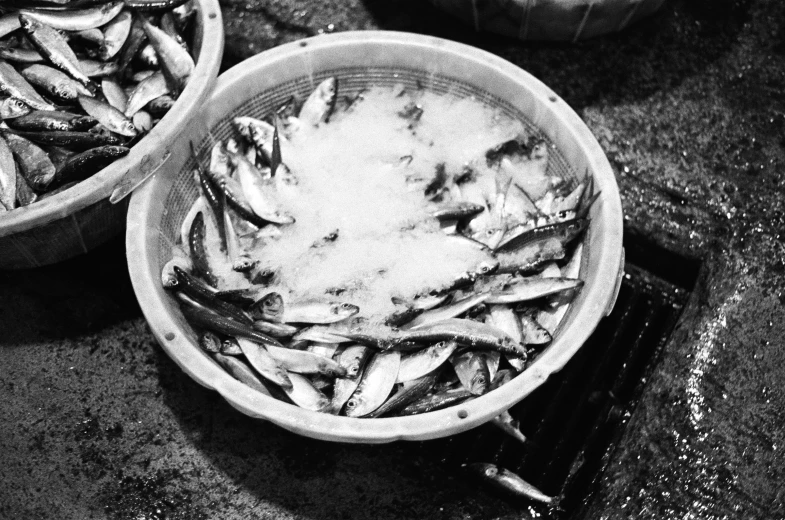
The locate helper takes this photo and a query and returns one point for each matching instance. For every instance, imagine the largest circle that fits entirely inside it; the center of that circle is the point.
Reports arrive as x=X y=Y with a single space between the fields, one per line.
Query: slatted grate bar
x=574 y=421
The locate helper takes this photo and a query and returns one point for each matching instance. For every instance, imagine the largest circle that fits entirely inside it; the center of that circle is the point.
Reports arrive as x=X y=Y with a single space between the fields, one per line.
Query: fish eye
x=351 y=404
x=347 y=306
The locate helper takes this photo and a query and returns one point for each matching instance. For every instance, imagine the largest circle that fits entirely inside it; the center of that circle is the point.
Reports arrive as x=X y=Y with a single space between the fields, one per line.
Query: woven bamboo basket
x=81 y=218
x=564 y=20
x=360 y=59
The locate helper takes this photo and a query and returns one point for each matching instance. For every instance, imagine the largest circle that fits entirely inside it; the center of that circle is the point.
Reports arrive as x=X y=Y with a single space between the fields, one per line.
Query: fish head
x=28 y=23
x=13 y=107
x=344 y=309
x=354 y=403
x=128 y=129
x=242 y=264
x=487 y=267
x=65 y=91
x=270 y=306
x=210 y=342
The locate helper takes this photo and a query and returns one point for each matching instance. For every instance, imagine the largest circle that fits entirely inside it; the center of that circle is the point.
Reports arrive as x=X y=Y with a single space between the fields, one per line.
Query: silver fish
x=344 y=388
x=21 y=55
x=533 y=332
x=55 y=49
x=179 y=259
x=108 y=116
x=305 y=395
x=407 y=393
x=526 y=289
x=465 y=332
x=230 y=347
x=34 y=163
x=425 y=361
x=150 y=88
x=509 y=482
x=512 y=427
x=261 y=196
x=242 y=372
x=304 y=362
x=264 y=363
x=176 y=64
x=114 y=94
x=472 y=371
x=377 y=382
x=318 y=312
x=115 y=34
x=14 y=85
x=96 y=69
x=448 y=311
x=320 y=104
x=54 y=82
x=77 y=19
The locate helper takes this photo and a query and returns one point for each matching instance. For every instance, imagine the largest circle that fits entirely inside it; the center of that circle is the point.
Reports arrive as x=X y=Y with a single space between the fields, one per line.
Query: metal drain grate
x=577 y=417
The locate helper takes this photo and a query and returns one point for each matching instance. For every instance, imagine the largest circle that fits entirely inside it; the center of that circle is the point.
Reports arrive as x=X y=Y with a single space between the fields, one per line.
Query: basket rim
x=146 y=151
x=440 y=423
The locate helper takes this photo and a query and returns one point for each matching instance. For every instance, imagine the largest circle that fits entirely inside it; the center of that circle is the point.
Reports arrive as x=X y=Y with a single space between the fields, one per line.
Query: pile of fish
x=444 y=346
x=81 y=82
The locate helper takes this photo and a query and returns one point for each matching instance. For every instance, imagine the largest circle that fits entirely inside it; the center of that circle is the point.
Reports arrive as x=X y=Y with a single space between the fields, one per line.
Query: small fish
x=320 y=104
x=472 y=371
x=33 y=163
x=147 y=90
x=54 y=82
x=344 y=388
x=98 y=69
x=242 y=372
x=115 y=34
x=42 y=120
x=7 y=176
x=425 y=361
x=269 y=307
x=465 y=332
x=12 y=107
x=512 y=427
x=526 y=289
x=114 y=94
x=176 y=64
x=508 y=482
x=409 y=392
x=16 y=86
x=533 y=332
x=77 y=19
x=201 y=294
x=198 y=255
x=55 y=49
x=261 y=196
x=154 y=5
x=305 y=395
x=318 y=312
x=21 y=55
x=423 y=302
x=452 y=310
x=241 y=261
x=437 y=401
x=264 y=363
x=84 y=164
x=70 y=139
x=213 y=321
x=564 y=232
x=377 y=382
x=304 y=362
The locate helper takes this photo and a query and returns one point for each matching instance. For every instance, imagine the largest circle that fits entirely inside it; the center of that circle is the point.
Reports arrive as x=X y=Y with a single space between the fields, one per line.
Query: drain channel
x=574 y=421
